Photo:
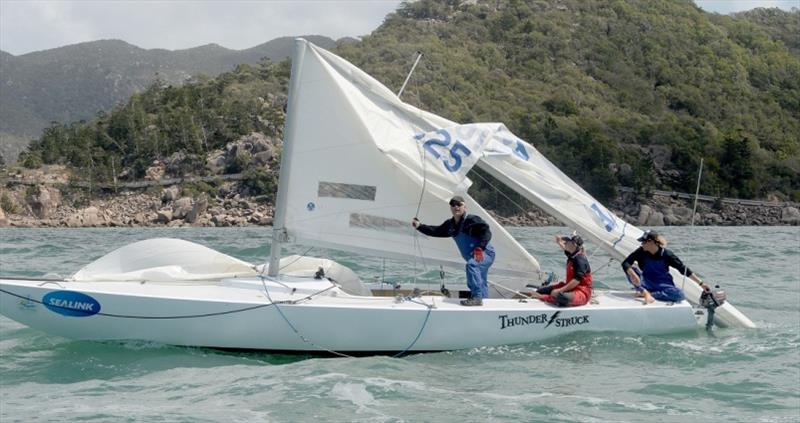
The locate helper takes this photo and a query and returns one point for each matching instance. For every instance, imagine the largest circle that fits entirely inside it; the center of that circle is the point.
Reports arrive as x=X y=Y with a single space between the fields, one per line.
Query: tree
x=736 y=167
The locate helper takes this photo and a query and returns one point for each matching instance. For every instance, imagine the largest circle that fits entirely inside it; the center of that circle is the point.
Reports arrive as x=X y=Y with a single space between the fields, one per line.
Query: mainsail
x=356 y=169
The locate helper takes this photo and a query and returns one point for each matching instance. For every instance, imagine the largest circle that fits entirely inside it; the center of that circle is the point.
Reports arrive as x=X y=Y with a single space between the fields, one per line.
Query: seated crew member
x=654 y=260
x=576 y=290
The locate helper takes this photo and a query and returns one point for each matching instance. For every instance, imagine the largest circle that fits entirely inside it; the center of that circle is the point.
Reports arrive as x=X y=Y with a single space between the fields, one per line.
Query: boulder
x=170 y=194
x=155 y=172
x=44 y=201
x=790 y=215
x=91 y=216
x=655 y=219
x=215 y=161
x=255 y=148
x=644 y=213
x=712 y=218
x=218 y=220
x=199 y=207
x=181 y=208
x=164 y=216
x=139 y=219
x=177 y=163
x=262 y=158
x=73 y=220
x=683 y=214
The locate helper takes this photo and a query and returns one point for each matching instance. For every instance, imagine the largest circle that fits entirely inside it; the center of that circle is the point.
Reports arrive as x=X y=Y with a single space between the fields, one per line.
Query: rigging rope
x=294 y=329
x=328 y=350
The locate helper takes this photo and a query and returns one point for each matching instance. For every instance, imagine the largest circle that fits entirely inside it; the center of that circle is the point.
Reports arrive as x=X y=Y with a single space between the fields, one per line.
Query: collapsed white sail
x=520 y=166
x=355 y=175
x=163 y=260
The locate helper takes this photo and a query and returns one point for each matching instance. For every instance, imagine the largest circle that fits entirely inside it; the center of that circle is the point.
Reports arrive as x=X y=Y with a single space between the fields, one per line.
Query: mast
x=419 y=56
x=279 y=235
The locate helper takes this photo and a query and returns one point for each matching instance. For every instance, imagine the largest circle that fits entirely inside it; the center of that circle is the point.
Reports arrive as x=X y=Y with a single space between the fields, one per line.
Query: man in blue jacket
x=472 y=236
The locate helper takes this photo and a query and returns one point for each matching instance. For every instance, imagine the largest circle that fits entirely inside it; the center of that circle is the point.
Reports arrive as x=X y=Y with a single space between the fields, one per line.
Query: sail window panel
x=351 y=191
x=379 y=223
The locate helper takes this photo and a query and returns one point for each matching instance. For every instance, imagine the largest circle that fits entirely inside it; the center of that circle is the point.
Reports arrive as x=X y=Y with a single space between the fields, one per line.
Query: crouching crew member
x=576 y=290
x=654 y=282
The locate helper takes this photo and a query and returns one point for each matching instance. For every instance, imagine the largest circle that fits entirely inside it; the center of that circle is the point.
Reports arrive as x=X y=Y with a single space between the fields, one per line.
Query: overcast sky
x=33 y=25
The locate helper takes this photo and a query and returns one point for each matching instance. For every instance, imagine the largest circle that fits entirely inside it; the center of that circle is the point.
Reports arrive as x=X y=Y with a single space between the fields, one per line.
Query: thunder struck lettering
x=541 y=319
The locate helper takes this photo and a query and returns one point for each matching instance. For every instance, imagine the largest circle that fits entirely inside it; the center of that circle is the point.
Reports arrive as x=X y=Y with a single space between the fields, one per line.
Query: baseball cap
x=457 y=199
x=574 y=238
x=648 y=234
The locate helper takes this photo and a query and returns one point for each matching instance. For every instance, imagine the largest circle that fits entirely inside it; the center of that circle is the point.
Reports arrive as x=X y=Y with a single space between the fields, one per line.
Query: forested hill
x=75 y=82
x=613 y=91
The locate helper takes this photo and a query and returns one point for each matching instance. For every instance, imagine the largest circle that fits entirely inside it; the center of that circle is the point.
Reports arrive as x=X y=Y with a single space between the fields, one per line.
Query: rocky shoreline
x=173 y=207
x=54 y=196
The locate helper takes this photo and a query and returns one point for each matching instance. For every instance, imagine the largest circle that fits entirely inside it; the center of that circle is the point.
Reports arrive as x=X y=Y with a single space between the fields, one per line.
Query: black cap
x=457 y=199
x=574 y=238
x=648 y=234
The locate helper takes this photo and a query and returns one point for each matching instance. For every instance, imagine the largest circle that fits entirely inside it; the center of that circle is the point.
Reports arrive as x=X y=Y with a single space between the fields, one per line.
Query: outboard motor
x=712 y=299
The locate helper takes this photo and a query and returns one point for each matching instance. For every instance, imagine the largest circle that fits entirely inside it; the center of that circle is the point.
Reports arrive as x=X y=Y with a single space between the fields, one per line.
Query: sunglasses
x=455 y=204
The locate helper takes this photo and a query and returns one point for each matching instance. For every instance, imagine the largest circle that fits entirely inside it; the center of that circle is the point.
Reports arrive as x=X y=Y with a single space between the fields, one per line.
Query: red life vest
x=585 y=281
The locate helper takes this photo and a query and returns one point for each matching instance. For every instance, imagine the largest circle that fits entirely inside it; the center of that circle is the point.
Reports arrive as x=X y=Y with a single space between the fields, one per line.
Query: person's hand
x=415 y=223
x=477 y=254
x=705 y=287
x=555 y=292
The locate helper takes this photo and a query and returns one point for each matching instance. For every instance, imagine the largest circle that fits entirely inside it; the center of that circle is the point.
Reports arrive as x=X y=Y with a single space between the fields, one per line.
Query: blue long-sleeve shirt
x=664 y=255
x=477 y=231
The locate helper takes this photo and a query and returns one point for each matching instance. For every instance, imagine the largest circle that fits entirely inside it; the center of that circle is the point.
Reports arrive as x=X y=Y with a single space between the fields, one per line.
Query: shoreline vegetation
x=53 y=200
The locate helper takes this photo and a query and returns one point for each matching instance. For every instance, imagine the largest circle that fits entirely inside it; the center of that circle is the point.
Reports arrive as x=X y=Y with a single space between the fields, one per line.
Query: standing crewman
x=472 y=236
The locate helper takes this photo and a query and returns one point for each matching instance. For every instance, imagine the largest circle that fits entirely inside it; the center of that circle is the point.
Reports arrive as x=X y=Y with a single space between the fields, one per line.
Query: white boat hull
x=238 y=314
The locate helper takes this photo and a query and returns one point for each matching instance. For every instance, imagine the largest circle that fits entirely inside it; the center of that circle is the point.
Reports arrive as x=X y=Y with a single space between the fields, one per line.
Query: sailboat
x=358 y=163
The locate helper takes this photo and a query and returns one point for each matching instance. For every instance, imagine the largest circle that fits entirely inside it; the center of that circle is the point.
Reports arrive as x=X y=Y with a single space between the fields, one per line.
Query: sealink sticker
x=71 y=303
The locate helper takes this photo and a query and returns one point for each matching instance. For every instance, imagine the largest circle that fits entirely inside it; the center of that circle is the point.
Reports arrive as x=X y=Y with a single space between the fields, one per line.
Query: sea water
x=730 y=375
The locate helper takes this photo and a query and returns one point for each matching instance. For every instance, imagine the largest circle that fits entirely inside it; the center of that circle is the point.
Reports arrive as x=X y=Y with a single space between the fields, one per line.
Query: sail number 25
x=454 y=152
